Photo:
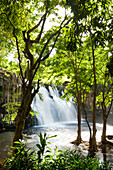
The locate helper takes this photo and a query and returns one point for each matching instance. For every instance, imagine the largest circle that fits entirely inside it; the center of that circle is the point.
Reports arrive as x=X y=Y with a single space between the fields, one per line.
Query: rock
x=10 y=89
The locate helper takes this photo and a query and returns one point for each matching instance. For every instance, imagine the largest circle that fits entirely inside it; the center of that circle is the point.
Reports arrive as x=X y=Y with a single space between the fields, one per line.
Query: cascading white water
x=53 y=109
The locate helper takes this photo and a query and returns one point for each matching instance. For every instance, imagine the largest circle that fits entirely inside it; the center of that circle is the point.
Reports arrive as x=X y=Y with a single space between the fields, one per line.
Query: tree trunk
x=79 y=121
x=19 y=127
x=93 y=140
x=103 y=138
x=23 y=112
x=104 y=129
x=78 y=91
x=94 y=127
x=87 y=120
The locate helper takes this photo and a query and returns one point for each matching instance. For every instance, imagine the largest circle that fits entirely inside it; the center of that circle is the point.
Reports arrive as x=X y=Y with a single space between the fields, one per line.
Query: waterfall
x=53 y=109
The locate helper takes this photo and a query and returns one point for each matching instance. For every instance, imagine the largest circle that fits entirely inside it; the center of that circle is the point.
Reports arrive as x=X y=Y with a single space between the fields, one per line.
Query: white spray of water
x=53 y=109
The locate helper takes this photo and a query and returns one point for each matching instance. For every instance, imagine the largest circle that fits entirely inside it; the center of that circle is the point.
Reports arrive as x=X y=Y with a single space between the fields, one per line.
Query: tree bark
x=86 y=118
x=105 y=117
x=78 y=91
x=19 y=127
x=93 y=145
x=105 y=114
x=79 y=121
x=23 y=112
x=104 y=128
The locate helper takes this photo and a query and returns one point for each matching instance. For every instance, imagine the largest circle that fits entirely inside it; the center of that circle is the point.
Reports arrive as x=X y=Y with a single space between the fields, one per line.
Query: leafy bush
x=25 y=159
x=70 y=160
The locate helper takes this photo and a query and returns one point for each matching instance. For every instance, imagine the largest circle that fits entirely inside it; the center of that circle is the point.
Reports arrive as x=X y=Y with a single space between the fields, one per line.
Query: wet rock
x=10 y=90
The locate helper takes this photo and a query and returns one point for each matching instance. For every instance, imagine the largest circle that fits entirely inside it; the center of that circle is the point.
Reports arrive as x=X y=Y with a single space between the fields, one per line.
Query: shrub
x=70 y=160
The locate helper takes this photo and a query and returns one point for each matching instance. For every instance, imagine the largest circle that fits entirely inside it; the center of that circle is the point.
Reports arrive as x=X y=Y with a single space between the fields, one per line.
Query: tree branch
x=19 y=58
x=36 y=26
x=43 y=19
x=45 y=56
x=37 y=89
x=50 y=38
x=51 y=48
x=41 y=31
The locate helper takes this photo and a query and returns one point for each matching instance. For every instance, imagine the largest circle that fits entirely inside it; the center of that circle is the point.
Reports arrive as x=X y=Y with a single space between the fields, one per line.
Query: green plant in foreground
x=70 y=160
x=25 y=159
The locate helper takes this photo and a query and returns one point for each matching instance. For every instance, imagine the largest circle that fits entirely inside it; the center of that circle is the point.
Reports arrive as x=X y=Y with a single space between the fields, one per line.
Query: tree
x=106 y=104
x=25 y=22
x=94 y=17
x=105 y=82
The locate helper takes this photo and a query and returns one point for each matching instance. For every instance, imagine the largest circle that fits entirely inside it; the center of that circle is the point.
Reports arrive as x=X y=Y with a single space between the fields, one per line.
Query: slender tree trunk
x=104 y=128
x=93 y=142
x=105 y=117
x=78 y=96
x=105 y=113
x=79 y=121
x=90 y=131
x=86 y=118
x=103 y=138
